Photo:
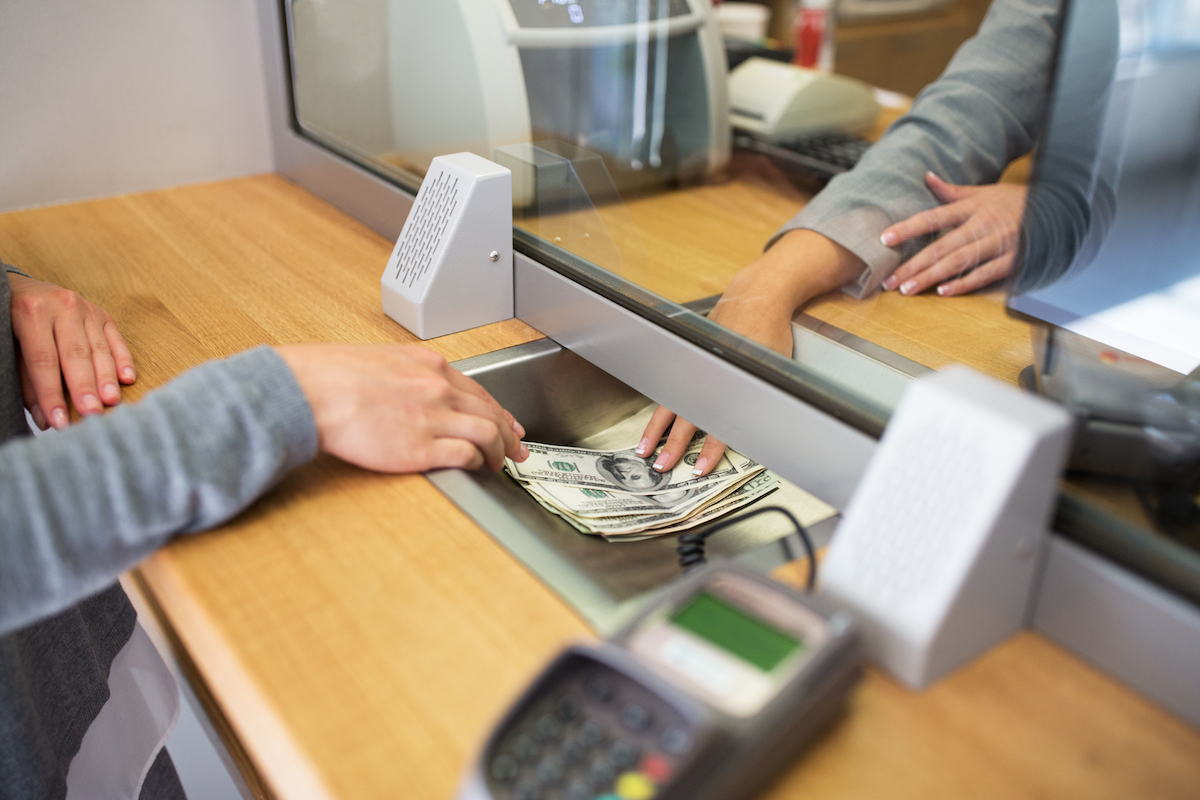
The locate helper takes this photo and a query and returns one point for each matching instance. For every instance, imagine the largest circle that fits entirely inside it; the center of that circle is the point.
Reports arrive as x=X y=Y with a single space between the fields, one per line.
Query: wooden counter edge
x=270 y=761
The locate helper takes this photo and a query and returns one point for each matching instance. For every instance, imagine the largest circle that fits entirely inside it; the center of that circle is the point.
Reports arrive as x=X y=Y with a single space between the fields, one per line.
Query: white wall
x=103 y=98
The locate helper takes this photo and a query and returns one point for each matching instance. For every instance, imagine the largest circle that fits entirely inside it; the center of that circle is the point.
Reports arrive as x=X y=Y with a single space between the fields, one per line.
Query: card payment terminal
x=708 y=694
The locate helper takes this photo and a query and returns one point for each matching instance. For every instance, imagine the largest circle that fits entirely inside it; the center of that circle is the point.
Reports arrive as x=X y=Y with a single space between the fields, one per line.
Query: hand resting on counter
x=390 y=408
x=63 y=338
x=981 y=224
x=759 y=304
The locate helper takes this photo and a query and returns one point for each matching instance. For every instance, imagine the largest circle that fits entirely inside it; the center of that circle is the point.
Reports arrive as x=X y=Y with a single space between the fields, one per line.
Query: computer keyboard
x=820 y=156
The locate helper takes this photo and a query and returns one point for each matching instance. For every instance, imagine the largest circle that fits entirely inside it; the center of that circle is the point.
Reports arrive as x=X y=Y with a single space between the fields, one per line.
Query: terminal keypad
x=595 y=735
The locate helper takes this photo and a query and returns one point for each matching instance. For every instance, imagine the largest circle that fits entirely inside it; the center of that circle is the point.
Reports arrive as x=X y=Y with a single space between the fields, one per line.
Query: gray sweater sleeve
x=984 y=111
x=79 y=506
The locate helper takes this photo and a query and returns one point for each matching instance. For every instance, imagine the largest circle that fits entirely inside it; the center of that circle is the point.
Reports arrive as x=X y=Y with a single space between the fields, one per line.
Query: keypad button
x=676 y=741
x=655 y=767
x=578 y=790
x=624 y=754
x=601 y=772
x=635 y=717
x=634 y=786
x=573 y=751
x=527 y=790
x=547 y=728
x=525 y=748
x=505 y=768
x=567 y=708
x=600 y=689
x=591 y=733
x=551 y=771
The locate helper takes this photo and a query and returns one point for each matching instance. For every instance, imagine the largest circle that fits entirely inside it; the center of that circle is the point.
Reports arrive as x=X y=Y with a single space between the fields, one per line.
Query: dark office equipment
x=708 y=694
x=738 y=50
x=814 y=158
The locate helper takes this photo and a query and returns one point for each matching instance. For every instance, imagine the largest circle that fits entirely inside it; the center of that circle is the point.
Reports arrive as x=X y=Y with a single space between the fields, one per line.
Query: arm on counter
x=83 y=504
x=984 y=111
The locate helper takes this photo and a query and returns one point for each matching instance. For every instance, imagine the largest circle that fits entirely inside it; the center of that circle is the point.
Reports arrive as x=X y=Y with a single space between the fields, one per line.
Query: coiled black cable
x=691 y=545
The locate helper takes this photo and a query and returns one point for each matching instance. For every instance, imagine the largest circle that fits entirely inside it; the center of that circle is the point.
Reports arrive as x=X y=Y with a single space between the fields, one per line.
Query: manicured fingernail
x=58 y=418
x=128 y=374
x=890 y=238
x=661 y=464
x=943 y=290
x=523 y=452
x=891 y=282
x=643 y=448
x=908 y=287
x=89 y=403
x=39 y=418
x=110 y=393
x=518 y=429
x=701 y=465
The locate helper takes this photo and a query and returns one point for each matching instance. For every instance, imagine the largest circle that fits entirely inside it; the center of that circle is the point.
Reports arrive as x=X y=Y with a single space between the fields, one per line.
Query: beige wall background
x=123 y=96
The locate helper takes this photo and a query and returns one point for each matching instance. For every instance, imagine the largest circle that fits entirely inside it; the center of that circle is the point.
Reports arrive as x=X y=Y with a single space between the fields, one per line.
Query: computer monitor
x=1110 y=245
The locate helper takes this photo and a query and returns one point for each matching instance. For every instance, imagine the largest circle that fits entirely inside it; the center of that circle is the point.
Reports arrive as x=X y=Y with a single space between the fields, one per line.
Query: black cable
x=691 y=545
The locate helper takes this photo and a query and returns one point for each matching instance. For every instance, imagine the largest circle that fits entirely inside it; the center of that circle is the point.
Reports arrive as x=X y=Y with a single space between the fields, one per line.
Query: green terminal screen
x=736 y=632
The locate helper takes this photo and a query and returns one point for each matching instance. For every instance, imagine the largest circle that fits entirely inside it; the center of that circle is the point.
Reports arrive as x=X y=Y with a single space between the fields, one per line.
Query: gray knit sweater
x=80 y=506
x=985 y=110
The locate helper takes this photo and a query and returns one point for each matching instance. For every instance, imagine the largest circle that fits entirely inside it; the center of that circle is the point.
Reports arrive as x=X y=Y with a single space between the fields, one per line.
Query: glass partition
x=647 y=170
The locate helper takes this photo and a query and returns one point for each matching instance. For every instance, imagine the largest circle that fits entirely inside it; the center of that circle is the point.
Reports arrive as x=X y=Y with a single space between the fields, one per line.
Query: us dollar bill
x=674 y=520
x=751 y=492
x=621 y=470
x=596 y=503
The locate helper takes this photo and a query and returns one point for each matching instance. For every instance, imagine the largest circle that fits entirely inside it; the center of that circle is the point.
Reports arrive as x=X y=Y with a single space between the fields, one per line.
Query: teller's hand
x=65 y=338
x=981 y=224
x=759 y=304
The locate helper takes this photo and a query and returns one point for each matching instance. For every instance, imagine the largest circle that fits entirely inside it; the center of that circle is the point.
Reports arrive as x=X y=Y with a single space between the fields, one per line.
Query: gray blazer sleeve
x=984 y=111
x=79 y=506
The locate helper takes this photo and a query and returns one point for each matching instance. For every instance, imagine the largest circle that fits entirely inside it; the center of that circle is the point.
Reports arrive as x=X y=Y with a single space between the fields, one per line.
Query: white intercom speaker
x=452 y=267
x=940 y=545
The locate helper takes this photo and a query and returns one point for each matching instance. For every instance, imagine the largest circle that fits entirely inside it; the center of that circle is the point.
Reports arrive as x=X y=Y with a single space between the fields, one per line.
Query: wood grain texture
x=688 y=244
x=204 y=272
x=360 y=634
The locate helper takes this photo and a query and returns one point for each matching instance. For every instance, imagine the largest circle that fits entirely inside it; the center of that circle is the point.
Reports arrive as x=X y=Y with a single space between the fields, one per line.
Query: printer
x=642 y=83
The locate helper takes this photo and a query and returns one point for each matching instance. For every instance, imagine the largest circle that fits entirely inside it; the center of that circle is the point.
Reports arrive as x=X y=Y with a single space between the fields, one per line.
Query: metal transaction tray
x=560 y=399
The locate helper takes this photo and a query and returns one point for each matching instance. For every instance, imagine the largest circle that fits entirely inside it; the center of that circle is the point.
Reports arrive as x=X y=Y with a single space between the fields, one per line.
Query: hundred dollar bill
x=595 y=503
x=647 y=522
x=742 y=495
x=751 y=492
x=636 y=522
x=620 y=470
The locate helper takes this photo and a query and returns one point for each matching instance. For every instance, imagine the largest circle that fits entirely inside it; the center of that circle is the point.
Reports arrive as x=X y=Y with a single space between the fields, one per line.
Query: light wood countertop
x=359 y=634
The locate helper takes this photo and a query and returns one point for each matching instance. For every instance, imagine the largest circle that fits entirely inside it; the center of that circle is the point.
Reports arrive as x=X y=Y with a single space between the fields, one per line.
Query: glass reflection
x=641 y=83
x=614 y=116
x=1110 y=256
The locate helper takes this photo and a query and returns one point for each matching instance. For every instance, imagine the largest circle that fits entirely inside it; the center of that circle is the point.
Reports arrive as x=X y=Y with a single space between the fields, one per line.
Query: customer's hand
x=759 y=304
x=981 y=224
x=64 y=338
x=394 y=408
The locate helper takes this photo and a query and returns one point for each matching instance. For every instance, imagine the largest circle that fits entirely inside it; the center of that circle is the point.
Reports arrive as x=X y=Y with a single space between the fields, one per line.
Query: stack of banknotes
x=618 y=495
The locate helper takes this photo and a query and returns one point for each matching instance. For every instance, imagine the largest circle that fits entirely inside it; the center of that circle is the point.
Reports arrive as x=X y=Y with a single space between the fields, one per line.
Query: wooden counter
x=358 y=634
